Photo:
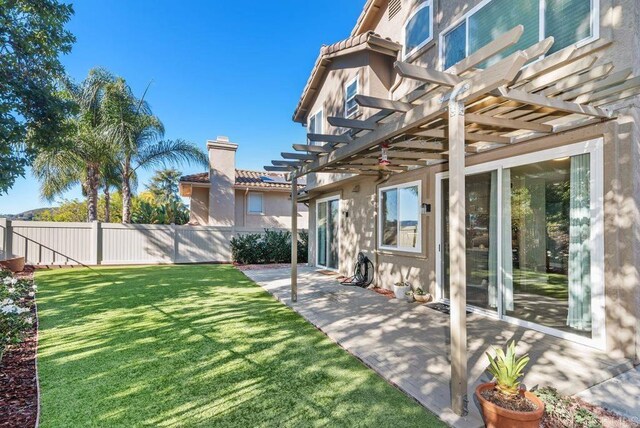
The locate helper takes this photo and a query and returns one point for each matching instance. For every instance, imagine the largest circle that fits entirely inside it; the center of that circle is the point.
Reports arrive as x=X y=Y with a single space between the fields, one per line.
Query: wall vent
x=394 y=8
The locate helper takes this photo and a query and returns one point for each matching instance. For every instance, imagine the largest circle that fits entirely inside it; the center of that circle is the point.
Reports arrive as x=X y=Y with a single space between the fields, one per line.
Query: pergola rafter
x=462 y=110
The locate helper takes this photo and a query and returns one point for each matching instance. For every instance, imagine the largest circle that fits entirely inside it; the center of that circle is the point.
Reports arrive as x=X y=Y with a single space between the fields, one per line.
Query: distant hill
x=25 y=216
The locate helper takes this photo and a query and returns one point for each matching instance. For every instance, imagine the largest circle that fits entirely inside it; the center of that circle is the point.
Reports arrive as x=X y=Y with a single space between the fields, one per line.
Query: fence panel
x=52 y=243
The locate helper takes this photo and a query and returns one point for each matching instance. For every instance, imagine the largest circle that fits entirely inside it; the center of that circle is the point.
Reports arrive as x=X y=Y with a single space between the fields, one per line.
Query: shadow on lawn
x=193 y=345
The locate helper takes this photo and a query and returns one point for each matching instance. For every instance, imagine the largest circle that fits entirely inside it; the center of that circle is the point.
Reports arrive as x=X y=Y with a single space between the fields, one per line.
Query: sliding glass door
x=327 y=233
x=532 y=233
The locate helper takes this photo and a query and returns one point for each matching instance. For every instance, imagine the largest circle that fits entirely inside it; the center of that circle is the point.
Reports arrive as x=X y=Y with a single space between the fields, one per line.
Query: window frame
x=320 y=111
x=355 y=80
x=249 y=195
x=398 y=248
x=406 y=54
x=595 y=148
x=595 y=28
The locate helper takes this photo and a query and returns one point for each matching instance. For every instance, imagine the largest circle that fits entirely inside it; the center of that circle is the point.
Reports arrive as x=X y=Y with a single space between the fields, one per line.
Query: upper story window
x=568 y=21
x=350 y=105
x=400 y=220
x=315 y=125
x=418 y=28
x=255 y=203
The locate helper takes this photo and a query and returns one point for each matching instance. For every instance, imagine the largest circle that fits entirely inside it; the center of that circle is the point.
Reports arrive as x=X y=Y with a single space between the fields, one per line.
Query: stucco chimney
x=222 y=174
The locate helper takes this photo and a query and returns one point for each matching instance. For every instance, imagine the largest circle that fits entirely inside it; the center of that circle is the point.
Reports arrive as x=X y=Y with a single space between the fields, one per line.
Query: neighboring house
x=553 y=181
x=250 y=201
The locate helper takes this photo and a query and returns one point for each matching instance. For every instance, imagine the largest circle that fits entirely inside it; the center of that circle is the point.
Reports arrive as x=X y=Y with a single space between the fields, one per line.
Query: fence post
x=96 y=243
x=7 y=245
x=176 y=244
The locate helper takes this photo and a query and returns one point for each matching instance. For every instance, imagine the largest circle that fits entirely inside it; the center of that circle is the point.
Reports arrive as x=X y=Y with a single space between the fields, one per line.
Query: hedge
x=270 y=247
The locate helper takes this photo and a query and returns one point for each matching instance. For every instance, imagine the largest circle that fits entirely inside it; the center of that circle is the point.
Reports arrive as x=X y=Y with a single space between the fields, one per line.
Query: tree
x=87 y=152
x=32 y=110
x=164 y=185
x=138 y=135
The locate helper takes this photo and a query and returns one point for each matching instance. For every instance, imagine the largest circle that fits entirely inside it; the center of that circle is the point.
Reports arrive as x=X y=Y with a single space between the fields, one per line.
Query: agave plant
x=507 y=369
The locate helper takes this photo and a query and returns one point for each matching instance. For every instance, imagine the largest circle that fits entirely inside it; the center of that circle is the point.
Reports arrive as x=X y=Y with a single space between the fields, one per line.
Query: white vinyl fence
x=53 y=243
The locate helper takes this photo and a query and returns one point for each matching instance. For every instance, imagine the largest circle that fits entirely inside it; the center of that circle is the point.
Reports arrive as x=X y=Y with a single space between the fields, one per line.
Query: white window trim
x=405 y=54
x=381 y=246
x=595 y=149
x=355 y=80
x=261 y=212
x=318 y=202
x=595 y=28
x=319 y=111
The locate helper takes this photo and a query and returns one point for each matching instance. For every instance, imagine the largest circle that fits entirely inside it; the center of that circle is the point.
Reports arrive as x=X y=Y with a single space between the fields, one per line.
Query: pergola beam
x=383 y=104
x=298 y=156
x=427 y=75
x=311 y=148
x=471 y=137
x=278 y=168
x=291 y=164
x=498 y=122
x=552 y=103
x=330 y=138
x=361 y=125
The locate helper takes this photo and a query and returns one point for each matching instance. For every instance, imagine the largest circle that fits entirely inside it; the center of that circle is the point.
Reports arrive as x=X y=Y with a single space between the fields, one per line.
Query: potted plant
x=503 y=401
x=409 y=296
x=421 y=296
x=400 y=288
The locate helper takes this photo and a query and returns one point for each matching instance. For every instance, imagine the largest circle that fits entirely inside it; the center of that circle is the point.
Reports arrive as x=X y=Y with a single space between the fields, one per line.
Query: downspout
x=245 y=207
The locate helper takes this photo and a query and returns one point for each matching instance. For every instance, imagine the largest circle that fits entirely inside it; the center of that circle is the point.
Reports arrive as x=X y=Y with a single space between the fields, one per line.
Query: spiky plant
x=507 y=369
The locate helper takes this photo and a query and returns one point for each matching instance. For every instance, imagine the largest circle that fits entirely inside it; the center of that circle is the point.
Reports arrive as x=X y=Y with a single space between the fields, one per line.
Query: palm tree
x=80 y=160
x=164 y=185
x=138 y=136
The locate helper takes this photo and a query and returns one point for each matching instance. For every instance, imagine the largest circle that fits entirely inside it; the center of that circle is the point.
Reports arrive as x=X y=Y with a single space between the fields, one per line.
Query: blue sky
x=216 y=68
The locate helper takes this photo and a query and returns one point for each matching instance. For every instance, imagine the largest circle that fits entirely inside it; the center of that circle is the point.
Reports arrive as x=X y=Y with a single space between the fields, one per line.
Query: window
x=315 y=125
x=400 y=220
x=350 y=105
x=568 y=21
x=255 y=203
x=418 y=29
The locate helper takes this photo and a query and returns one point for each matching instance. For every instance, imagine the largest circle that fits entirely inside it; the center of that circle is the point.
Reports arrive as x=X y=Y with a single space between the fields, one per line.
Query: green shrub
x=271 y=247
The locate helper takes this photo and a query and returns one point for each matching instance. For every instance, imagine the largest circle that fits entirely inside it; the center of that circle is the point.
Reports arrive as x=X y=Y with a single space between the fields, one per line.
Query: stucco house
x=488 y=152
x=249 y=201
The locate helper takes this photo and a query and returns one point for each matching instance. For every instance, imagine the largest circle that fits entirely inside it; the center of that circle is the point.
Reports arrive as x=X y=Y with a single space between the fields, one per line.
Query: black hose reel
x=362 y=272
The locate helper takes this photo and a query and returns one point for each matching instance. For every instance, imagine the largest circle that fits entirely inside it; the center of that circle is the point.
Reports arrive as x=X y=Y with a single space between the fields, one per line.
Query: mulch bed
x=18 y=382
x=18 y=390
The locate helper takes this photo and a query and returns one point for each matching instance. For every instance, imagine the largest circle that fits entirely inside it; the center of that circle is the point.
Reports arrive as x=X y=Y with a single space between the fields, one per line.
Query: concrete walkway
x=408 y=344
x=620 y=394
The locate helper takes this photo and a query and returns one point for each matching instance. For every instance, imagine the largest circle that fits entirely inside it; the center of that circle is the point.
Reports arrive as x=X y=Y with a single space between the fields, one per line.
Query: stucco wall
x=277 y=212
x=199 y=206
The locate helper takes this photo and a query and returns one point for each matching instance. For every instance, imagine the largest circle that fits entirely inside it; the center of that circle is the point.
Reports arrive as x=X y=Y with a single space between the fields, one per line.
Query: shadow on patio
x=408 y=344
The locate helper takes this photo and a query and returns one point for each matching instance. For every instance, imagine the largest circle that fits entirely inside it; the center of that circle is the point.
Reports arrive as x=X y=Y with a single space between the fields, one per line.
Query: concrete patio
x=408 y=344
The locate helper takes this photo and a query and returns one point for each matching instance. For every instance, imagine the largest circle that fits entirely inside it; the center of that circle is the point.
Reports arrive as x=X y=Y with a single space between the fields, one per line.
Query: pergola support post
x=294 y=239
x=457 y=255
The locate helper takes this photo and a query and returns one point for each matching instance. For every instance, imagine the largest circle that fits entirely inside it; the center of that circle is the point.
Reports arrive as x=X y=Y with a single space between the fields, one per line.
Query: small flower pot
x=409 y=297
x=498 y=417
x=400 y=290
x=422 y=298
x=15 y=264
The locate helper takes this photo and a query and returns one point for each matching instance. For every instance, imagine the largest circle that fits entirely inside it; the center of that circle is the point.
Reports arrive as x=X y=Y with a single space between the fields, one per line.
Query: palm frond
x=171 y=151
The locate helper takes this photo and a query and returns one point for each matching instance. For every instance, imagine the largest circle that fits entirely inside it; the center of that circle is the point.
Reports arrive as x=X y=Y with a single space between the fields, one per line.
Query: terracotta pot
x=498 y=417
x=15 y=264
x=422 y=298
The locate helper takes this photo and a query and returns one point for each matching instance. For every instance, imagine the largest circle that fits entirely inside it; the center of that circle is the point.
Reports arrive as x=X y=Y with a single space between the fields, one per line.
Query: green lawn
x=196 y=346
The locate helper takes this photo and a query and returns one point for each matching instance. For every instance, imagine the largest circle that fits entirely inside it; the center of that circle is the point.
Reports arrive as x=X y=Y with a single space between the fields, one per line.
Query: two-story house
x=486 y=151
x=248 y=201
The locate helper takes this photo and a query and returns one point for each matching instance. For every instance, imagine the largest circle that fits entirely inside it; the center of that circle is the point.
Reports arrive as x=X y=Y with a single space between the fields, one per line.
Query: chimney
x=222 y=175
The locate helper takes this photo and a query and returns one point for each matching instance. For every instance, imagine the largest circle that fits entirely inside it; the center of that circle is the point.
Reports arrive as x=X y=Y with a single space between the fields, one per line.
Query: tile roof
x=246 y=178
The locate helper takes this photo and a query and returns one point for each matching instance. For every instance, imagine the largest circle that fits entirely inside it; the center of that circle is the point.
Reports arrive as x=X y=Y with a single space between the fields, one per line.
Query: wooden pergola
x=464 y=109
